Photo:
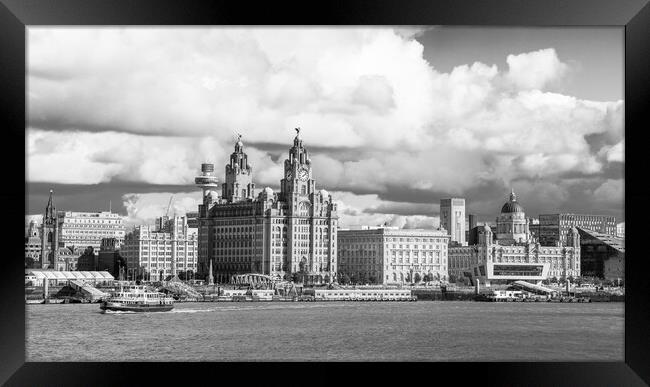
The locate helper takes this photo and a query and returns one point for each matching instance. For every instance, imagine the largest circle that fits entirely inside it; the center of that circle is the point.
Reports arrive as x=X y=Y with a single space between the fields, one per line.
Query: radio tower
x=207 y=181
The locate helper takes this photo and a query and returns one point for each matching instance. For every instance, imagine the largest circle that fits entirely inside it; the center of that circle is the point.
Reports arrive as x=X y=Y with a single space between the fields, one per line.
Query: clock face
x=289 y=175
x=303 y=174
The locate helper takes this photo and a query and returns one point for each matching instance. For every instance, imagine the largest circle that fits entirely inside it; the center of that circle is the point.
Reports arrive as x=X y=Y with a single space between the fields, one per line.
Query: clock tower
x=298 y=183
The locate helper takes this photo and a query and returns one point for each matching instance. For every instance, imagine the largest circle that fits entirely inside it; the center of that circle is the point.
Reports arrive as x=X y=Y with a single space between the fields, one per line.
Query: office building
x=83 y=229
x=514 y=254
x=289 y=234
x=620 y=230
x=554 y=228
x=452 y=218
x=387 y=255
x=602 y=255
x=155 y=252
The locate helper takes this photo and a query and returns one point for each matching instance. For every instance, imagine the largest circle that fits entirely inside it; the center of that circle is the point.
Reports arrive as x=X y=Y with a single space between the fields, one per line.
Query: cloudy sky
x=394 y=118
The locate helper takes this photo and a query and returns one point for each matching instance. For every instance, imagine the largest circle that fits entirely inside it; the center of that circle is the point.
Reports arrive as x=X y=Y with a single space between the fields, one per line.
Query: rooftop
x=617 y=243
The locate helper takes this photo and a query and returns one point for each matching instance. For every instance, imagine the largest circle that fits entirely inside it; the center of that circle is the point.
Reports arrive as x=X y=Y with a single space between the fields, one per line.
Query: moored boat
x=137 y=299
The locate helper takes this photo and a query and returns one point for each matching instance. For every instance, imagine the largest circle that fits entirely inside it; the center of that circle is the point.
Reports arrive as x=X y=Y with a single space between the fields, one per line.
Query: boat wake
x=118 y=312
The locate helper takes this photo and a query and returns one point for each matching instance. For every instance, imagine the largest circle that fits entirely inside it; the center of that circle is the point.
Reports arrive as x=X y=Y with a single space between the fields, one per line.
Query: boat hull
x=135 y=308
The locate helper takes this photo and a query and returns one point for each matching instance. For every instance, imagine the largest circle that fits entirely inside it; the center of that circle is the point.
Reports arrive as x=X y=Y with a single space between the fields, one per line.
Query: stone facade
x=49 y=236
x=515 y=244
x=389 y=255
x=83 y=229
x=153 y=253
x=289 y=234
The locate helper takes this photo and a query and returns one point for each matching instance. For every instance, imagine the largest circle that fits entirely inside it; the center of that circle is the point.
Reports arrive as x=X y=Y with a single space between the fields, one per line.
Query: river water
x=332 y=331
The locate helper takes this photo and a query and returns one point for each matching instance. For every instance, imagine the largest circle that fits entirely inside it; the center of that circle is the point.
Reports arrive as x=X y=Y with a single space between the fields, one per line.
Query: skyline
x=138 y=110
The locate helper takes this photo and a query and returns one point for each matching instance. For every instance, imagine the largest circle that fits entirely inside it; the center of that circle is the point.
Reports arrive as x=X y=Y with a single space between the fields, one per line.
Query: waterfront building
x=602 y=255
x=388 y=255
x=88 y=260
x=37 y=277
x=554 y=228
x=514 y=253
x=68 y=258
x=155 y=252
x=32 y=244
x=620 y=230
x=452 y=218
x=83 y=229
x=109 y=258
x=289 y=234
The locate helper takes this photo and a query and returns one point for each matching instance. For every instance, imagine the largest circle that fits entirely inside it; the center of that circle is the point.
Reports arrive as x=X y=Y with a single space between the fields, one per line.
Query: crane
x=169 y=206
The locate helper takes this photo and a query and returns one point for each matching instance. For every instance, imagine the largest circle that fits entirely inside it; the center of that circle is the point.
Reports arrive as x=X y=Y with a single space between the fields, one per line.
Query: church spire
x=50 y=211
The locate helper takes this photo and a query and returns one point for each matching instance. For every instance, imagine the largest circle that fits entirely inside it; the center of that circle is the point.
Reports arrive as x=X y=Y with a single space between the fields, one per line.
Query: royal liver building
x=290 y=234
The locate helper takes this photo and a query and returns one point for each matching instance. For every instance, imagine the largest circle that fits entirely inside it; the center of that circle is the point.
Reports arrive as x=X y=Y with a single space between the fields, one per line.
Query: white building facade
x=83 y=229
x=154 y=253
x=387 y=255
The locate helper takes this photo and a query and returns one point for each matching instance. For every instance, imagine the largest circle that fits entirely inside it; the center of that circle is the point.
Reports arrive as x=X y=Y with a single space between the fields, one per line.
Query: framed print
x=439 y=186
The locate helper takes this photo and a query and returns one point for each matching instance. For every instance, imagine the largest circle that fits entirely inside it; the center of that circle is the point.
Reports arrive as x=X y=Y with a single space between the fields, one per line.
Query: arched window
x=303 y=190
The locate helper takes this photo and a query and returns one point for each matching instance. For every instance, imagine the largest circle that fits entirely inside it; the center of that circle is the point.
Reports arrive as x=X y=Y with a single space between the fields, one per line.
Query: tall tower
x=298 y=183
x=452 y=218
x=208 y=182
x=239 y=176
x=49 y=235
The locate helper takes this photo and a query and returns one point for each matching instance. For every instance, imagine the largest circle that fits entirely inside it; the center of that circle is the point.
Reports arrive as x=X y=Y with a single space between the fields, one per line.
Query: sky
x=394 y=118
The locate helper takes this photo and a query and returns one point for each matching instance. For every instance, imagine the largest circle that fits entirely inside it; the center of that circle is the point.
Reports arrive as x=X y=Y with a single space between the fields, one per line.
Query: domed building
x=512 y=224
x=514 y=254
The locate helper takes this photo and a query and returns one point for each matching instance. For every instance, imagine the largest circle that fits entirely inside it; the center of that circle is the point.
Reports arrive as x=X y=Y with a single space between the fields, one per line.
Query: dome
x=324 y=193
x=512 y=205
x=268 y=191
x=487 y=228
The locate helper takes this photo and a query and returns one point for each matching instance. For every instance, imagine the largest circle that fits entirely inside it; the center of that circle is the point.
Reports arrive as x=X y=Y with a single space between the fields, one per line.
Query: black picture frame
x=633 y=15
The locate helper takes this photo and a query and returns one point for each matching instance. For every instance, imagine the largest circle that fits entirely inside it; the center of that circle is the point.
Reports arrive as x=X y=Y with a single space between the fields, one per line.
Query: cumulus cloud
x=369 y=210
x=535 y=70
x=145 y=208
x=610 y=191
x=150 y=104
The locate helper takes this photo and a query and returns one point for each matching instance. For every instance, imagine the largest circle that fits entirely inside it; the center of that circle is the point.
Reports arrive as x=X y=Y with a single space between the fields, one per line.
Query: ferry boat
x=137 y=299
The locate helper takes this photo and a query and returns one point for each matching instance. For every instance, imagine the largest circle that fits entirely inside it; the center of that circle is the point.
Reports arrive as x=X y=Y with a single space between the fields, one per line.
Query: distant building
x=452 y=218
x=156 y=252
x=554 y=228
x=33 y=246
x=88 y=260
x=602 y=255
x=89 y=228
x=620 y=230
x=109 y=258
x=514 y=254
x=387 y=255
x=192 y=219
